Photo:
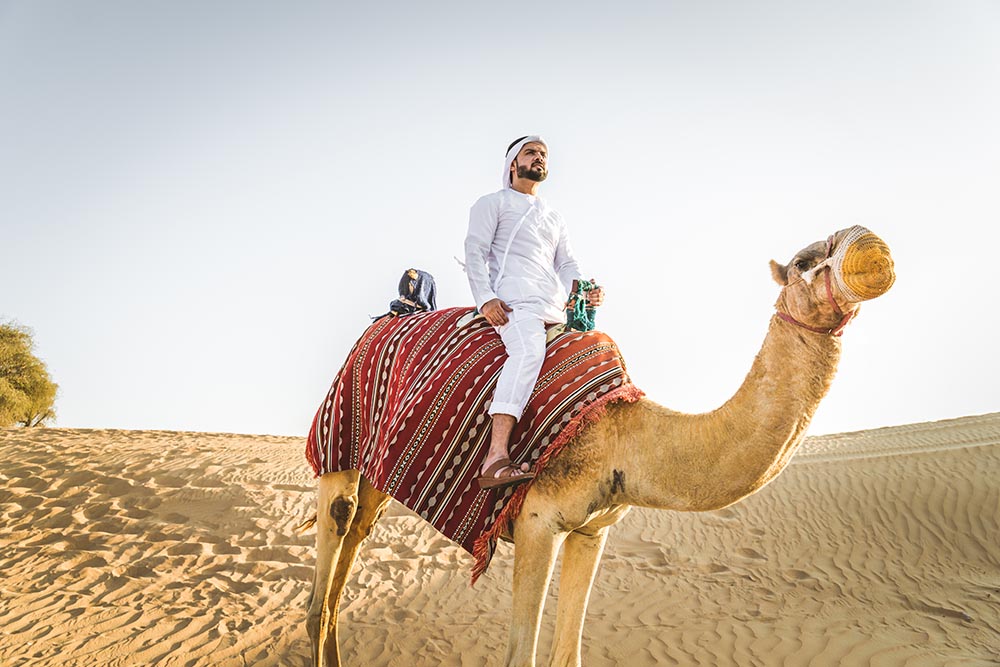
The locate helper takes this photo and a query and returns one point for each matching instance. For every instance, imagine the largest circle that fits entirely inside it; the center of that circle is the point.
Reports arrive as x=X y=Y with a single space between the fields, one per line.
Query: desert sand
x=160 y=548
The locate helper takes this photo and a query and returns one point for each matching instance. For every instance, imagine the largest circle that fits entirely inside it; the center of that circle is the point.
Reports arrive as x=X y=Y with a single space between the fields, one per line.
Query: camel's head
x=825 y=282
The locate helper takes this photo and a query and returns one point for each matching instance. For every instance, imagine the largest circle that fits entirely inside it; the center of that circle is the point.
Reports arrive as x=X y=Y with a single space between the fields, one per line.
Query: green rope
x=579 y=314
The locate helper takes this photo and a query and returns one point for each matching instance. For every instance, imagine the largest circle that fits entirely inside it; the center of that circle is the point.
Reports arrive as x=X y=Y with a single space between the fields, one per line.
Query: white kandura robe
x=517 y=249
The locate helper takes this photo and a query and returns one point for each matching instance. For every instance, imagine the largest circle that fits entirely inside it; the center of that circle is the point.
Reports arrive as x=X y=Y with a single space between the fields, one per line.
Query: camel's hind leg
x=348 y=507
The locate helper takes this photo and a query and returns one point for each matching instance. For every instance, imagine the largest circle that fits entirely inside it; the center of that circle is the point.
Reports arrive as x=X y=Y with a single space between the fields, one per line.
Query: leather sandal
x=514 y=475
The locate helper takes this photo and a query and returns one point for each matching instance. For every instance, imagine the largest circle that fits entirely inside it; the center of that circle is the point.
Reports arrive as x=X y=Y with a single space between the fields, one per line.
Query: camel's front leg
x=581 y=556
x=537 y=539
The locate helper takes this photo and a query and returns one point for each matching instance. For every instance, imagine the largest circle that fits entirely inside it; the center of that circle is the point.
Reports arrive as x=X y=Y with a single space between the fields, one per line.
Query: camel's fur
x=638 y=454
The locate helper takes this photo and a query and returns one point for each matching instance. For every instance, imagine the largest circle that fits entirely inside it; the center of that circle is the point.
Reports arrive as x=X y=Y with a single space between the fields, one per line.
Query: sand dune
x=158 y=548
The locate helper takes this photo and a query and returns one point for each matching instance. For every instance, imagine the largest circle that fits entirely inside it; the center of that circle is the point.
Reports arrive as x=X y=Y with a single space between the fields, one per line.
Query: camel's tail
x=307 y=524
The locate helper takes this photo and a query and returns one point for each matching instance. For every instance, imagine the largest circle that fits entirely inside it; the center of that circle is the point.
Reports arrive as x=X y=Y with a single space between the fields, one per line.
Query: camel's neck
x=711 y=460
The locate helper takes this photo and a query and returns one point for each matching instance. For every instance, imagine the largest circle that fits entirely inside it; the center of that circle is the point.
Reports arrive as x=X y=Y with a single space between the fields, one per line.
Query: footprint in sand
x=169 y=481
x=94 y=562
x=140 y=572
x=208 y=482
x=115 y=487
x=29 y=502
x=112 y=526
x=22 y=471
x=150 y=502
x=29 y=482
x=185 y=549
x=75 y=500
x=96 y=510
x=77 y=478
x=712 y=568
x=61 y=520
x=160 y=536
x=225 y=549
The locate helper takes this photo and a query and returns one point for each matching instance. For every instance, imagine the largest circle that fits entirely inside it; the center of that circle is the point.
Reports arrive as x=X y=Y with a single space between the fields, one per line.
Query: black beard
x=537 y=175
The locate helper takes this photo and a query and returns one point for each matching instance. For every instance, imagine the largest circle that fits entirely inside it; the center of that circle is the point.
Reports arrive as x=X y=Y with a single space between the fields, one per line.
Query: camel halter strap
x=844 y=318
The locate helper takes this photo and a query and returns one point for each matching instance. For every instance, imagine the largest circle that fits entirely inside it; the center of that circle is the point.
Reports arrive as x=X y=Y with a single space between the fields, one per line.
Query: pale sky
x=202 y=203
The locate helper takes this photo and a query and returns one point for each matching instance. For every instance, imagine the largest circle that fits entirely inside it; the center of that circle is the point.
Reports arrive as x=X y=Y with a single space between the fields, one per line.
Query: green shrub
x=27 y=393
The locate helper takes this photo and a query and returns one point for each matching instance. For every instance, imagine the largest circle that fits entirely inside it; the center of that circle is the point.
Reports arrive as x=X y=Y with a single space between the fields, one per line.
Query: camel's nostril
x=867 y=269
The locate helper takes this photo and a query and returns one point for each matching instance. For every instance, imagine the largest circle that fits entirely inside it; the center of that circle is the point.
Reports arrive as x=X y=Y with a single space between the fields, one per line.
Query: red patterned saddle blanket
x=409 y=411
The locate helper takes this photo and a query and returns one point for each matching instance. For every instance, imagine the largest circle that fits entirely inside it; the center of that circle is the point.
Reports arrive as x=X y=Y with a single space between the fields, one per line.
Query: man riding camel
x=521 y=268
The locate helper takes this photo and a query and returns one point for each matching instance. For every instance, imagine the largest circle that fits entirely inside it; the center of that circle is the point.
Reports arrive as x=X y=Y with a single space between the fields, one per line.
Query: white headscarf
x=512 y=153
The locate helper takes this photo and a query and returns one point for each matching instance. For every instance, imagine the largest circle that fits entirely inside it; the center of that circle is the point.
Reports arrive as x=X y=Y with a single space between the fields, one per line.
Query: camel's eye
x=802 y=264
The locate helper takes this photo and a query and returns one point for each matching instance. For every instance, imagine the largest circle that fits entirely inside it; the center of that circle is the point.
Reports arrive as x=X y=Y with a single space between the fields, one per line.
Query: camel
x=640 y=454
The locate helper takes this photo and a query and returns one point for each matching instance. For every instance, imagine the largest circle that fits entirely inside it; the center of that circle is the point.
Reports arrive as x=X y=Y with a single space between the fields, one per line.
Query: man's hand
x=495 y=311
x=595 y=297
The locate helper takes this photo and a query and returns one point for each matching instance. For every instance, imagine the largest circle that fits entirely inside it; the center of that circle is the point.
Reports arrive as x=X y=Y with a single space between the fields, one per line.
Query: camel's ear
x=780 y=273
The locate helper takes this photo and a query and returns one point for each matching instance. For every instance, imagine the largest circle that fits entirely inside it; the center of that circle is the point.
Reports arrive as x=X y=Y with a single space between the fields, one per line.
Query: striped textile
x=409 y=410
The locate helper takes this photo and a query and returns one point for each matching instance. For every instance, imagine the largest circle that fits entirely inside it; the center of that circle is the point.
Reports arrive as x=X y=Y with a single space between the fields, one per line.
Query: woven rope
x=580 y=315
